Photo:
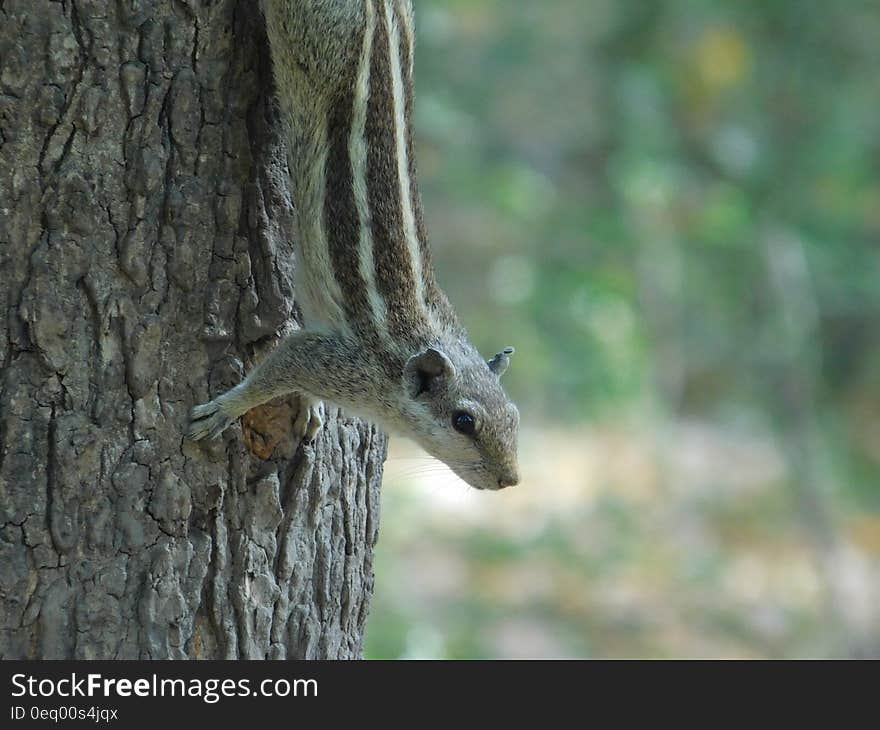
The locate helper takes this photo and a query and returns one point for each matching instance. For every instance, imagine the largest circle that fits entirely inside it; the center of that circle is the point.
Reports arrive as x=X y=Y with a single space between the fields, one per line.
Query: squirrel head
x=458 y=412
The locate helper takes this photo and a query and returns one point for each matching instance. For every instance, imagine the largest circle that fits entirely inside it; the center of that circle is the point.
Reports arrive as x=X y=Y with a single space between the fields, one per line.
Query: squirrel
x=380 y=338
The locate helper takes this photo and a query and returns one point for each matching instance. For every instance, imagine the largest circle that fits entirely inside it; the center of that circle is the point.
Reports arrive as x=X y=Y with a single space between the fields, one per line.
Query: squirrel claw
x=207 y=421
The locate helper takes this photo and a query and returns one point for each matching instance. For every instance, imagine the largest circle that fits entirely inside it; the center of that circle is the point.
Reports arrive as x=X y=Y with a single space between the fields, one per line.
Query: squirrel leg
x=309 y=419
x=314 y=365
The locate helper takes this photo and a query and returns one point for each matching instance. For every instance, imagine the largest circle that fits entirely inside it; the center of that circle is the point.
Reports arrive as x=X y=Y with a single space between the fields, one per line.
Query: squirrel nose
x=510 y=479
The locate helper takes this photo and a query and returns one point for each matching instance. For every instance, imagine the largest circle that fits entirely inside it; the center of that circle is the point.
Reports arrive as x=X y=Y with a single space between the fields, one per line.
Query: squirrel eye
x=464 y=422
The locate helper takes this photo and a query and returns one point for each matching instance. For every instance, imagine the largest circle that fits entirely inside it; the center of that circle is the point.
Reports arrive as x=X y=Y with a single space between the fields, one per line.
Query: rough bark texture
x=145 y=261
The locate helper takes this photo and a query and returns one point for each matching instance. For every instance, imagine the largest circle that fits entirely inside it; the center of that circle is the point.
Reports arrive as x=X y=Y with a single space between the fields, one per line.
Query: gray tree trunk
x=145 y=262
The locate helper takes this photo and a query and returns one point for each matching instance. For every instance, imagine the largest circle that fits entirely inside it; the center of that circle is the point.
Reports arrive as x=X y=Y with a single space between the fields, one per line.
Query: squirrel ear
x=421 y=370
x=501 y=361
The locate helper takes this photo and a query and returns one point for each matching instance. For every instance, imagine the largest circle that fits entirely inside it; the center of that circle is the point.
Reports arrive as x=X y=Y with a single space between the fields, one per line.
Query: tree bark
x=145 y=263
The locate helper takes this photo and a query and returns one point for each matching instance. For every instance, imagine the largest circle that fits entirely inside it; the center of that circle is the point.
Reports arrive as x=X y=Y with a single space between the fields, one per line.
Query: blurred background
x=672 y=209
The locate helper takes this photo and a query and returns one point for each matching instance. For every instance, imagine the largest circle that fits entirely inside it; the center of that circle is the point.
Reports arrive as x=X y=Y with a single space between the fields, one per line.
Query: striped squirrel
x=380 y=339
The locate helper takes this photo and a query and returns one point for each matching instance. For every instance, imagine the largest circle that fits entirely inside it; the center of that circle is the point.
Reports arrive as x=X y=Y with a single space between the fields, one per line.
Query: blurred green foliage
x=672 y=209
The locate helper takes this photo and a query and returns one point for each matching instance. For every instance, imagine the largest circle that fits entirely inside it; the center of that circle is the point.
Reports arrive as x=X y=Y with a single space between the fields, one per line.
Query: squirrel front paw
x=208 y=420
x=308 y=420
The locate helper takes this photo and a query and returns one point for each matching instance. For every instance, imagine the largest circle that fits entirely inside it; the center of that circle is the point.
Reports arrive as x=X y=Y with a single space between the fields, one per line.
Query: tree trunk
x=145 y=263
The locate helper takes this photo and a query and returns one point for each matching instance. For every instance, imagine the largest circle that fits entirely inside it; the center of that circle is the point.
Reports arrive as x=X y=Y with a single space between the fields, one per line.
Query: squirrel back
x=345 y=87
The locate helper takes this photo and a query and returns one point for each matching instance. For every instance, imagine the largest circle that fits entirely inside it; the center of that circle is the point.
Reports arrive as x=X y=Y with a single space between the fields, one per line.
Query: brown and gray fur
x=380 y=337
